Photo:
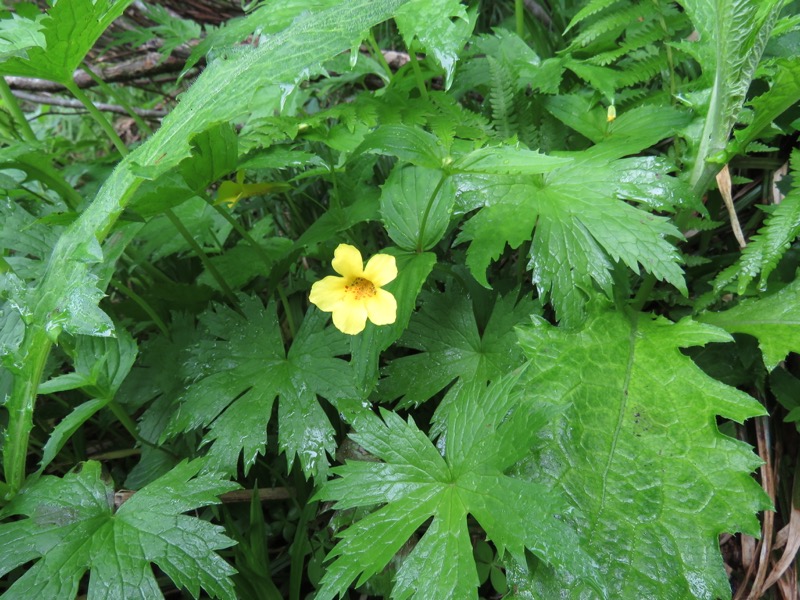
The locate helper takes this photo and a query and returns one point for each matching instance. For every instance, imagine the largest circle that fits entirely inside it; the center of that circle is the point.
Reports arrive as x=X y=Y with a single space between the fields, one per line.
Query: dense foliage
x=529 y=390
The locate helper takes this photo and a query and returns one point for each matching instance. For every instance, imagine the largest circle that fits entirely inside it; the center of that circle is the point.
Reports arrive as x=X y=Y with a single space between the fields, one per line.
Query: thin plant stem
x=118 y=98
x=376 y=51
x=519 y=14
x=417 y=73
x=643 y=294
x=142 y=303
x=261 y=254
x=99 y=118
x=424 y=222
x=13 y=106
x=176 y=222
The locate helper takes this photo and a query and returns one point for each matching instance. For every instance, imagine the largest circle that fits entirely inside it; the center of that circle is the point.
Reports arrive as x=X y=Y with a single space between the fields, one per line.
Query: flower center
x=361 y=288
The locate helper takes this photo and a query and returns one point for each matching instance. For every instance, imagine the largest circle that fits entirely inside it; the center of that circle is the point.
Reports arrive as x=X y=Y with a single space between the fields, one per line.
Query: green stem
x=376 y=52
x=13 y=107
x=643 y=294
x=417 y=72
x=20 y=406
x=130 y=426
x=176 y=222
x=519 y=13
x=424 y=222
x=99 y=118
x=289 y=318
x=143 y=304
x=118 y=98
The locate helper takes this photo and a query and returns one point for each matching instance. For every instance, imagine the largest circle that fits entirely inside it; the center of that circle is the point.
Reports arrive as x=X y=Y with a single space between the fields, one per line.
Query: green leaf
x=239 y=369
x=640 y=431
x=264 y=20
x=773 y=319
x=70 y=29
x=442 y=27
x=18 y=34
x=101 y=365
x=783 y=93
x=415 y=482
x=72 y=528
x=507 y=160
x=580 y=228
x=451 y=346
x=632 y=131
x=416 y=204
x=409 y=144
x=215 y=155
x=733 y=34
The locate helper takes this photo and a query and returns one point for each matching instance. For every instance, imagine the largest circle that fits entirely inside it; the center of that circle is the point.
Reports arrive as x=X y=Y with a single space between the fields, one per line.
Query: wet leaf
x=72 y=528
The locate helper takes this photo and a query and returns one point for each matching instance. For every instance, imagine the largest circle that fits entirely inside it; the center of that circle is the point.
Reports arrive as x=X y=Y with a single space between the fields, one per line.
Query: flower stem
x=424 y=221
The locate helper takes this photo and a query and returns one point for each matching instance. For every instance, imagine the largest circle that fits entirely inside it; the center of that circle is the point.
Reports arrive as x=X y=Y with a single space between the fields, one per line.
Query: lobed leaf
x=639 y=431
x=71 y=528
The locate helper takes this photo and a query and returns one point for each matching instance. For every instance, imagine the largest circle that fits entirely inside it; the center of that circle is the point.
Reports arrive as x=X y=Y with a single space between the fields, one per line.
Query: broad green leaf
x=507 y=160
x=450 y=346
x=632 y=131
x=638 y=454
x=70 y=29
x=241 y=367
x=72 y=527
x=416 y=204
x=442 y=27
x=410 y=144
x=415 y=482
x=580 y=228
x=774 y=320
x=215 y=155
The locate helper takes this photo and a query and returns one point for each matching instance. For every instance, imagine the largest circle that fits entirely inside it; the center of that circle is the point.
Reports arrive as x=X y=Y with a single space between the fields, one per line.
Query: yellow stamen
x=361 y=288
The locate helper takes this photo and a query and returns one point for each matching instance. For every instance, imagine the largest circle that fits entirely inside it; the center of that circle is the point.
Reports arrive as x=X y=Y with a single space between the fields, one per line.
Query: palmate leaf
x=241 y=368
x=488 y=429
x=639 y=455
x=581 y=227
x=451 y=346
x=774 y=320
x=72 y=528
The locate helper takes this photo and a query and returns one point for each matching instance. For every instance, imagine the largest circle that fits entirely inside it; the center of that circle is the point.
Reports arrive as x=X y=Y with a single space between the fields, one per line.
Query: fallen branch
x=149 y=113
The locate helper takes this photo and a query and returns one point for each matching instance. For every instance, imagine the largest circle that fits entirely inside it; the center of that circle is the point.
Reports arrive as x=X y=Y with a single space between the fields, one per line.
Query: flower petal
x=350 y=317
x=381 y=269
x=382 y=308
x=327 y=293
x=347 y=261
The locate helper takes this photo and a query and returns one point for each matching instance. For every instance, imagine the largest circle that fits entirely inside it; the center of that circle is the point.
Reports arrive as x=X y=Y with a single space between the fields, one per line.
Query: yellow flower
x=357 y=295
